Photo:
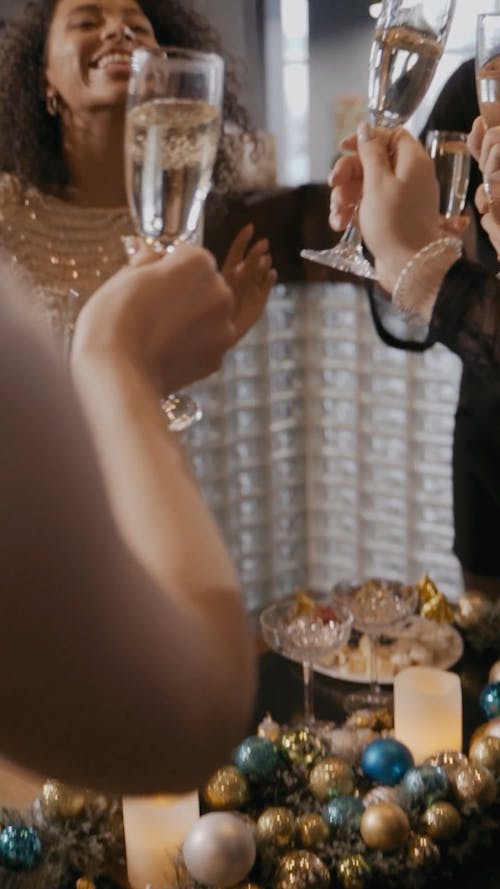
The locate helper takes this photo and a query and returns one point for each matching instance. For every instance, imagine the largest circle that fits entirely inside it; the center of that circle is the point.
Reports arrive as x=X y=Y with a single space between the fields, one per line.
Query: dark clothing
x=467 y=320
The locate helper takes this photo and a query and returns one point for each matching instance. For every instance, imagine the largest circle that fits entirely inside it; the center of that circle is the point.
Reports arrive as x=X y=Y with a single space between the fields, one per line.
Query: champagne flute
x=451 y=157
x=171 y=138
x=488 y=88
x=408 y=43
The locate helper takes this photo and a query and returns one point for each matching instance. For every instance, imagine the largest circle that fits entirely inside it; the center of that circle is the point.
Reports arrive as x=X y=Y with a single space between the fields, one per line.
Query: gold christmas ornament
x=489 y=729
x=60 y=801
x=384 y=826
x=474 y=784
x=353 y=872
x=276 y=827
x=301 y=870
x=449 y=760
x=486 y=752
x=84 y=883
x=301 y=746
x=494 y=674
x=422 y=851
x=269 y=729
x=472 y=608
x=312 y=830
x=376 y=720
x=380 y=794
x=442 y=822
x=227 y=789
x=331 y=777
x=433 y=604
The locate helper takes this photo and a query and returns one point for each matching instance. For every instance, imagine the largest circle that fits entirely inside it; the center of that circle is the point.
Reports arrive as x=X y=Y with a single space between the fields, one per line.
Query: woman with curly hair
x=65 y=67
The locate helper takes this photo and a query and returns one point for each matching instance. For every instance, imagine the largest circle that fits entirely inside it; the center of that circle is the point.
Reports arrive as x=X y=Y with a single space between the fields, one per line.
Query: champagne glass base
x=343 y=258
x=181 y=411
x=368 y=700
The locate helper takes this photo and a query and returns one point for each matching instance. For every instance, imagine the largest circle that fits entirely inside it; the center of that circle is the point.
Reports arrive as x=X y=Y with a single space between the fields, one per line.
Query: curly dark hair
x=31 y=144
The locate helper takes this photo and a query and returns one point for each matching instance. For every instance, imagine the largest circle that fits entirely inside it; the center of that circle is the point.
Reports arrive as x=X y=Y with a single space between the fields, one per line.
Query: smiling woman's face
x=88 y=51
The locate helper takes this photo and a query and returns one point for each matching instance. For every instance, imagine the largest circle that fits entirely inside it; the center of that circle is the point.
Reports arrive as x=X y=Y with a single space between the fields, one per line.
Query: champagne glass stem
x=307 y=675
x=373 y=667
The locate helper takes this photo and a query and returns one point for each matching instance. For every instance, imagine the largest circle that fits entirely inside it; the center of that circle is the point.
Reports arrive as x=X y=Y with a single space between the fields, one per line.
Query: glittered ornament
x=384 y=826
x=380 y=794
x=471 y=609
x=301 y=870
x=448 y=760
x=490 y=729
x=301 y=747
x=219 y=849
x=57 y=800
x=353 y=872
x=422 y=852
x=433 y=604
x=276 y=827
x=343 y=814
x=376 y=719
x=474 y=784
x=442 y=822
x=331 y=777
x=486 y=752
x=269 y=729
x=256 y=758
x=494 y=674
x=344 y=743
x=20 y=847
x=386 y=760
x=312 y=830
x=489 y=700
x=424 y=785
x=226 y=789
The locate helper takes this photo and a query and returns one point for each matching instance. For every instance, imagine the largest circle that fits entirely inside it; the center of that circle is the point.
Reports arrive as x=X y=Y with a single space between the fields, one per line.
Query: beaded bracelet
x=424 y=273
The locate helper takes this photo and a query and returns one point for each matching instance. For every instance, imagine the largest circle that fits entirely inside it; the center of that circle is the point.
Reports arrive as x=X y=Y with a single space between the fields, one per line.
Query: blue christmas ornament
x=425 y=785
x=20 y=847
x=256 y=758
x=343 y=813
x=386 y=761
x=489 y=700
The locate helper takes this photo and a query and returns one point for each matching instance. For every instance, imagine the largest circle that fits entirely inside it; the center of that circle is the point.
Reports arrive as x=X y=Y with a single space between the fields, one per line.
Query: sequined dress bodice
x=65 y=251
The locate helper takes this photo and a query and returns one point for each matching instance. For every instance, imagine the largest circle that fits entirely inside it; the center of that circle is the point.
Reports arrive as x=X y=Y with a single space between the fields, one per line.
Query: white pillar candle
x=428 y=711
x=155 y=829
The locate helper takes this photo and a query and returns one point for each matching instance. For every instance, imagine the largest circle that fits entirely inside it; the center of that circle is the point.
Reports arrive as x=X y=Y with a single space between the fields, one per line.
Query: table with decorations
x=388 y=796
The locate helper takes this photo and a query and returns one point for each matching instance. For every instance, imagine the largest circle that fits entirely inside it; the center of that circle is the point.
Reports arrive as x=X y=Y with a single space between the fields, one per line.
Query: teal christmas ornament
x=489 y=700
x=386 y=761
x=20 y=847
x=425 y=785
x=343 y=814
x=256 y=758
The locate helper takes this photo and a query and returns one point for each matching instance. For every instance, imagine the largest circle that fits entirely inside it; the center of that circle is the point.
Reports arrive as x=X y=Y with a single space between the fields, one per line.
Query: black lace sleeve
x=466 y=317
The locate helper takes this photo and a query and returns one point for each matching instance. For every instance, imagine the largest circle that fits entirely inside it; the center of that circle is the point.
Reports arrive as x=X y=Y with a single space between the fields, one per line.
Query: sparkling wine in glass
x=488 y=88
x=171 y=138
x=408 y=43
x=451 y=158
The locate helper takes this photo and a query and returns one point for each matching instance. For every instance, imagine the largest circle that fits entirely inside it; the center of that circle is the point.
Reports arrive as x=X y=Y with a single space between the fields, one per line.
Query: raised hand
x=249 y=273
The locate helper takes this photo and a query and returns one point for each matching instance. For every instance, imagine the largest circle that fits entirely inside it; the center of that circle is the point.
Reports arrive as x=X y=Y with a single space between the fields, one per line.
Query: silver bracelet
x=422 y=270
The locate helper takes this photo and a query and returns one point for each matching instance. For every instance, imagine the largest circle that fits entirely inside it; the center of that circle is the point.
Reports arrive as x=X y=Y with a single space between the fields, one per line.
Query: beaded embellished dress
x=64 y=251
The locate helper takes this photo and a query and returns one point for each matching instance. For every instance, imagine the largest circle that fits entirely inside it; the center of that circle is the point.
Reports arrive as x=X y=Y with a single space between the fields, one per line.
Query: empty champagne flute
x=172 y=133
x=488 y=88
x=451 y=158
x=408 y=43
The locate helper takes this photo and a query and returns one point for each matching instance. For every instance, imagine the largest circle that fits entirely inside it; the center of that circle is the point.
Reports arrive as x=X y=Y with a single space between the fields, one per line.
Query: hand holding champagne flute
x=409 y=39
x=488 y=88
x=171 y=139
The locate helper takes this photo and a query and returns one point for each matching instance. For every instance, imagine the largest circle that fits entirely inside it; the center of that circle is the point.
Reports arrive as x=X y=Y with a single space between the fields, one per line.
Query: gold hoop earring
x=53 y=105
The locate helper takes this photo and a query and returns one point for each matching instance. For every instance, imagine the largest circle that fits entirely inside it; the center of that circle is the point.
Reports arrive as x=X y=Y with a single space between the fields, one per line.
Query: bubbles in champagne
x=170 y=150
x=402 y=64
x=488 y=91
x=452 y=162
